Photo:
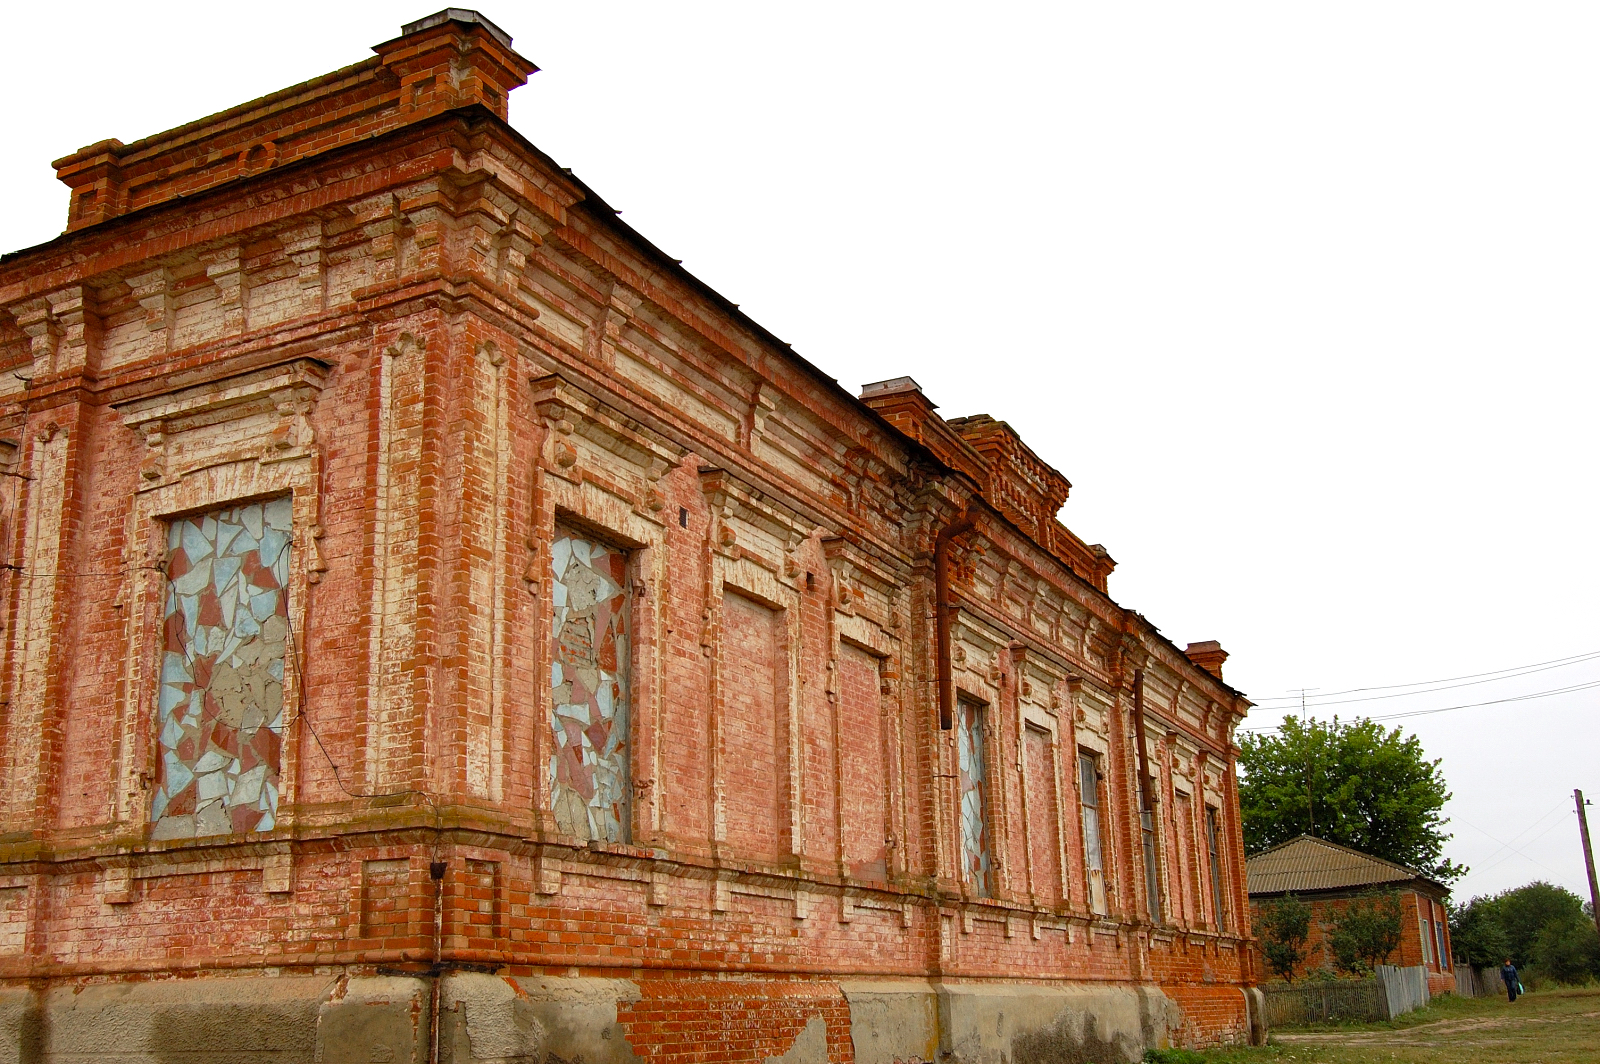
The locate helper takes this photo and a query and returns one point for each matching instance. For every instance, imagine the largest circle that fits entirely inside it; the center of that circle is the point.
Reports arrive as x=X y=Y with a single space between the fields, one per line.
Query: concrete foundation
x=234 y=1019
x=501 y=1019
x=493 y=1019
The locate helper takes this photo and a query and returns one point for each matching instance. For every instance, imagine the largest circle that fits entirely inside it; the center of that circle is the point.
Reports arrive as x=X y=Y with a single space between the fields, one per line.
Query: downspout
x=1145 y=793
x=1147 y=799
x=941 y=614
x=947 y=719
x=436 y=870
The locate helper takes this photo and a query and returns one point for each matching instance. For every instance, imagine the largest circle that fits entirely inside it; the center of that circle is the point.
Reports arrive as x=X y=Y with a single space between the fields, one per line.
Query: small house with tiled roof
x=1327 y=876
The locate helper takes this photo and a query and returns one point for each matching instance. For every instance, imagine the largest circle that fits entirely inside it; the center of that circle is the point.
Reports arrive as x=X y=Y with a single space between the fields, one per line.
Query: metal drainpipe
x=941 y=614
x=436 y=871
x=1144 y=762
x=1148 y=797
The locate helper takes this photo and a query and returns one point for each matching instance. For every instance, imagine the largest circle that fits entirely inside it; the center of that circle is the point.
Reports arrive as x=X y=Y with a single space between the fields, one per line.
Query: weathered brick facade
x=437 y=626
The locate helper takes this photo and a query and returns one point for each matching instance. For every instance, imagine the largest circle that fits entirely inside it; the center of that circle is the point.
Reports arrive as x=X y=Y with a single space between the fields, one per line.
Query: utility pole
x=1588 y=857
x=1311 y=809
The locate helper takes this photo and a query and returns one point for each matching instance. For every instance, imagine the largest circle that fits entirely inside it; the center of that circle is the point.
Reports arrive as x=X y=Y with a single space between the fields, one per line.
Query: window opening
x=1212 y=836
x=1152 y=875
x=975 y=856
x=590 y=665
x=1089 y=797
x=220 y=706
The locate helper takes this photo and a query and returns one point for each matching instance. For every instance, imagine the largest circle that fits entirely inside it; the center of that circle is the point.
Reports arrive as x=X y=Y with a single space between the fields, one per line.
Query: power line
x=1448 y=709
x=1516 y=852
x=1558 y=807
x=1472 y=678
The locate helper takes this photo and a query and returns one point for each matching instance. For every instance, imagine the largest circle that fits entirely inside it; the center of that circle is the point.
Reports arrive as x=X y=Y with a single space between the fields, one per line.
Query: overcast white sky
x=1300 y=297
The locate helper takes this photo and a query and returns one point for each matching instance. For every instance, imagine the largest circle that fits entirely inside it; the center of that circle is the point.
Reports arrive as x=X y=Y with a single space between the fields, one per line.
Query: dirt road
x=1556 y=1027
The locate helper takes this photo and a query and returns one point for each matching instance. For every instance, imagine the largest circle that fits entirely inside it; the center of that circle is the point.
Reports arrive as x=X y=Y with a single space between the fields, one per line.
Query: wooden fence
x=1389 y=993
x=1479 y=982
x=1406 y=989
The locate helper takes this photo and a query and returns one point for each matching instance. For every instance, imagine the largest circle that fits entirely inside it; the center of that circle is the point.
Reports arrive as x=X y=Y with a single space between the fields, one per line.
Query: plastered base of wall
x=340 y=1019
x=241 y=1018
x=1028 y=1025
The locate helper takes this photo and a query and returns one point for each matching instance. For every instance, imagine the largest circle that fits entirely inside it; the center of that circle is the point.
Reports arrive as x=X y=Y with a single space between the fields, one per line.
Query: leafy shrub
x=1285 y=926
x=1366 y=933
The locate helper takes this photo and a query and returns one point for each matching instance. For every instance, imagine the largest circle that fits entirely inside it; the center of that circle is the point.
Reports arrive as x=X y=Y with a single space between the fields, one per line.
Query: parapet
x=452 y=59
x=1009 y=475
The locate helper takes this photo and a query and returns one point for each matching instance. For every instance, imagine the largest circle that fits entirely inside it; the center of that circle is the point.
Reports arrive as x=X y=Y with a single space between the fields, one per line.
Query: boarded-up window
x=975 y=854
x=1044 y=815
x=755 y=732
x=590 y=665
x=1423 y=932
x=1093 y=862
x=863 y=765
x=220 y=707
x=1213 y=842
x=1182 y=851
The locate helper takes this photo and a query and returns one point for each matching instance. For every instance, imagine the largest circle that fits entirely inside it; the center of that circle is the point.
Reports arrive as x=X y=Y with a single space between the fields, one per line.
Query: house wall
x=450 y=363
x=1417 y=907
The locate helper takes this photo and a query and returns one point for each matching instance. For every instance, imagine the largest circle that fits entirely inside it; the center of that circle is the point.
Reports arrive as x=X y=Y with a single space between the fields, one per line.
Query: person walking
x=1508 y=972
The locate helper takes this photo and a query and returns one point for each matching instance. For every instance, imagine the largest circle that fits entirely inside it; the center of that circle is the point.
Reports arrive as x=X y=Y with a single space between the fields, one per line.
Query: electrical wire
x=304 y=715
x=1516 y=852
x=1448 y=709
x=1469 y=680
x=60 y=574
x=1515 y=838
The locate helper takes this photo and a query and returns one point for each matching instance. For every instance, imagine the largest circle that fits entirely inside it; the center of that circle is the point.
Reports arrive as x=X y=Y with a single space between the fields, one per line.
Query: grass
x=1545 y=1027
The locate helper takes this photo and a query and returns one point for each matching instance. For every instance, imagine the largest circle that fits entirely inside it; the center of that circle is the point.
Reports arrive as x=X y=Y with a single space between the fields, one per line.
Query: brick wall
x=1415 y=906
x=442 y=350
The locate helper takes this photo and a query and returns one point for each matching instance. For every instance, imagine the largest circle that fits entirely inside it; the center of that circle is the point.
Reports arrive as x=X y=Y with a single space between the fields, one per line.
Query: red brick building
x=1328 y=876
x=436 y=626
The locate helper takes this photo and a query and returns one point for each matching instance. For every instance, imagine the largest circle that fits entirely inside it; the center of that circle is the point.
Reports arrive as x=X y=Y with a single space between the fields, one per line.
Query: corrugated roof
x=1307 y=864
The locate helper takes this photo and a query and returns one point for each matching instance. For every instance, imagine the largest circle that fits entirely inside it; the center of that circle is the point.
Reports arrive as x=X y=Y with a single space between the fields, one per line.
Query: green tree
x=1541 y=927
x=1355 y=783
x=1526 y=911
x=1284 y=926
x=1477 y=935
x=1366 y=933
x=1567 y=949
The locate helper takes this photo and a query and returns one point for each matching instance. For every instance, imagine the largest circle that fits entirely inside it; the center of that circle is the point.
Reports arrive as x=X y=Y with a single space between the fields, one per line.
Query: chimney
x=1208 y=655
